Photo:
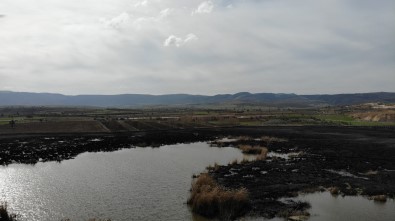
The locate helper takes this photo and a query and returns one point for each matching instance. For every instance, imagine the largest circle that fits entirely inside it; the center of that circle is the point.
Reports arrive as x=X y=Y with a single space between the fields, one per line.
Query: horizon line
x=374 y=92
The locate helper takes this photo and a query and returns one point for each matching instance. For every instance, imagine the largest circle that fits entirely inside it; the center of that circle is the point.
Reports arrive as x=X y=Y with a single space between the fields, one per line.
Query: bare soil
x=87 y=126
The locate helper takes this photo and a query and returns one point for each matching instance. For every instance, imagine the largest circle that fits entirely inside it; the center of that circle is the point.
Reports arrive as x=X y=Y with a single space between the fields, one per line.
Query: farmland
x=30 y=120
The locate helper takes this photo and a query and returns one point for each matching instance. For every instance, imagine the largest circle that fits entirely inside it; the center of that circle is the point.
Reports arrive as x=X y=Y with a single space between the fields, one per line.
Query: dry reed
x=211 y=200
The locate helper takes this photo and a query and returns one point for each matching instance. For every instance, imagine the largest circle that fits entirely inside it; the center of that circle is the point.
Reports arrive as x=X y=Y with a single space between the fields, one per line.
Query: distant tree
x=12 y=123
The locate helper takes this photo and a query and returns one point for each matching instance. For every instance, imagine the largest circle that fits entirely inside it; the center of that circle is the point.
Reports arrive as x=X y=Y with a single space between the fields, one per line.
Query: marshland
x=197 y=172
x=201 y=110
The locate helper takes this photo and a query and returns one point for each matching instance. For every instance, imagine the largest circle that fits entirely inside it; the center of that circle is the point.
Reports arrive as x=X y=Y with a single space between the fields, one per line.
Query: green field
x=348 y=120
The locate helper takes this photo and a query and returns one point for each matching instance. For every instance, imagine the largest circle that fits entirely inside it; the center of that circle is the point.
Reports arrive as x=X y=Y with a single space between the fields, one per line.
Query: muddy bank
x=31 y=149
x=345 y=161
x=42 y=147
x=355 y=160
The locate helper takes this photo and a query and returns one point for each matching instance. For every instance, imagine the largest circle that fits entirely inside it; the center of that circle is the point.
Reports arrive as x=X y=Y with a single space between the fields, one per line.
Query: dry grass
x=263 y=154
x=379 y=198
x=334 y=190
x=244 y=138
x=5 y=215
x=297 y=213
x=234 y=162
x=268 y=139
x=294 y=214
x=211 y=200
x=243 y=161
x=248 y=149
x=371 y=172
x=213 y=168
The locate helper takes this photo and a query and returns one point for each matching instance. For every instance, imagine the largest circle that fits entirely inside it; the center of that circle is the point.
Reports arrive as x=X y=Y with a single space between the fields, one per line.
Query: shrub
x=334 y=190
x=263 y=154
x=247 y=149
x=214 y=168
x=5 y=215
x=212 y=200
x=379 y=198
x=243 y=161
x=234 y=162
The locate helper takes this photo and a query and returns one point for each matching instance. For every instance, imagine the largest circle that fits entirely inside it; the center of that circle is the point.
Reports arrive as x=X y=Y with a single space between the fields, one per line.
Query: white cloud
x=190 y=37
x=173 y=40
x=117 y=21
x=141 y=4
x=204 y=8
x=165 y=13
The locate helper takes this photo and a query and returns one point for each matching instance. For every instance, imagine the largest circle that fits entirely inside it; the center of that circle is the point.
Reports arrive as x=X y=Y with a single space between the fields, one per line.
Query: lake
x=142 y=184
x=130 y=184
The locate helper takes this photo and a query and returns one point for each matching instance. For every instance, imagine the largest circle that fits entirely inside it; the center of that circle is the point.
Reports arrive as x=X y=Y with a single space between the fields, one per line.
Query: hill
x=8 y=98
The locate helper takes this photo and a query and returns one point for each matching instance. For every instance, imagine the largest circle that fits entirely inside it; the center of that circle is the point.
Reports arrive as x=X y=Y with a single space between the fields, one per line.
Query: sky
x=197 y=46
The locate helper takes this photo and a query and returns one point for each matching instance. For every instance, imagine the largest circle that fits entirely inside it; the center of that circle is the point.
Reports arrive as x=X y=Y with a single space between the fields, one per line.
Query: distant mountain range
x=8 y=98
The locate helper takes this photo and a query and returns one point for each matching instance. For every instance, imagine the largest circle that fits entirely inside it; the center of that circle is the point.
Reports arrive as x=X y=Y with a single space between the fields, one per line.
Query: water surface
x=143 y=184
x=326 y=207
x=130 y=184
x=349 y=208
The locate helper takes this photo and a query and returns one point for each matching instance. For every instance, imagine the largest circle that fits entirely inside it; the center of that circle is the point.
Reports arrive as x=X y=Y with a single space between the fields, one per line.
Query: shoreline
x=344 y=162
x=354 y=160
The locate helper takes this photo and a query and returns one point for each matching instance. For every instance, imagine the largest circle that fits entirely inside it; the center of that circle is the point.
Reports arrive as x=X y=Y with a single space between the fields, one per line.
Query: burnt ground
x=34 y=148
x=355 y=160
x=325 y=153
x=31 y=148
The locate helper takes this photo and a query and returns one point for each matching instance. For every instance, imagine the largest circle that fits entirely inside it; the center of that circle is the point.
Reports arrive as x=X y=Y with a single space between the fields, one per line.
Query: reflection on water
x=143 y=184
x=349 y=208
x=130 y=184
x=325 y=207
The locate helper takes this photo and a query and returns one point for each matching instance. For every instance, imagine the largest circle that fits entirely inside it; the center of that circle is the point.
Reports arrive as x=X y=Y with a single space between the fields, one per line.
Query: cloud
x=165 y=13
x=141 y=4
x=109 y=47
x=173 y=40
x=117 y=21
x=190 y=37
x=204 y=8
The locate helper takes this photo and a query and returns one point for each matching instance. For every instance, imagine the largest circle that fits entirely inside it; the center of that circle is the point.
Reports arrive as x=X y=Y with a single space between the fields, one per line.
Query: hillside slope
x=8 y=98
